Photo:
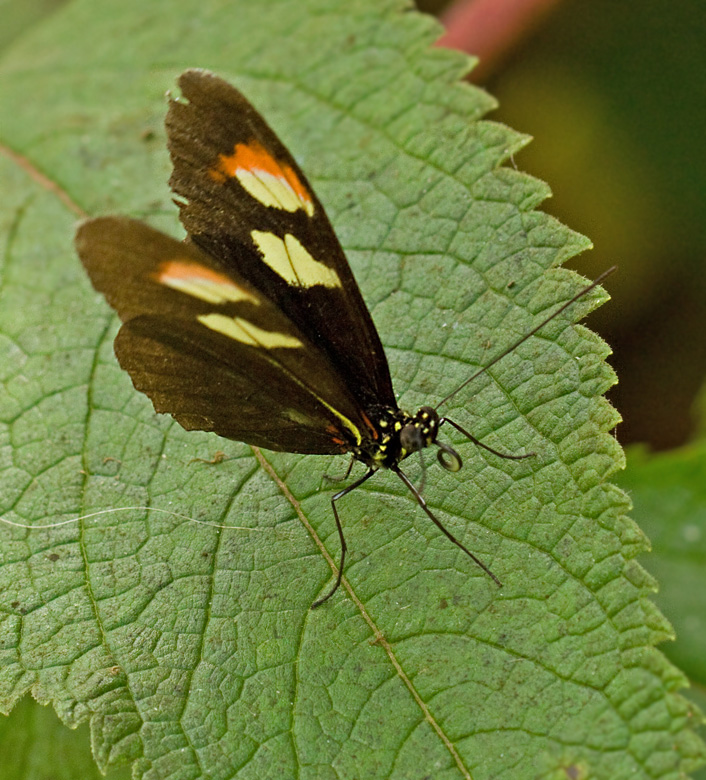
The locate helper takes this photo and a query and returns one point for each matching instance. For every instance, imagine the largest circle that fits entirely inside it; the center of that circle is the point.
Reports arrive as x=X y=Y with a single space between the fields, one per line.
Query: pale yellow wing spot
x=246 y=333
x=290 y=260
x=201 y=282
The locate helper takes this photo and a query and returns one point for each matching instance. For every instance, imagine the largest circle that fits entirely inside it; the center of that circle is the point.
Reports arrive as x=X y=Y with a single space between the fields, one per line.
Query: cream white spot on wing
x=268 y=189
x=290 y=260
x=245 y=332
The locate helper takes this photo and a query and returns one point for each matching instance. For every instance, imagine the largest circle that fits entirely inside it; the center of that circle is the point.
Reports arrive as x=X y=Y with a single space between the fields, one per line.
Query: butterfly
x=254 y=327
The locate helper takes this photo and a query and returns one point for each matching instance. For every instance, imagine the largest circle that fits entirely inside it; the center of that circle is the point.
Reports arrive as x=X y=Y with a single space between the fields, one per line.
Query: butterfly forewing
x=210 y=349
x=248 y=204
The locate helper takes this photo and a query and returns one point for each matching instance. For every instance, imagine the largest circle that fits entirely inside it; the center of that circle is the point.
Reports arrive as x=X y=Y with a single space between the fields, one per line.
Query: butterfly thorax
x=397 y=435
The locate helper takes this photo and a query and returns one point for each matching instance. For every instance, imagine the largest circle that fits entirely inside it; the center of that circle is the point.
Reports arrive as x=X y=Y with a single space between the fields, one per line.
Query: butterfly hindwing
x=210 y=349
x=248 y=204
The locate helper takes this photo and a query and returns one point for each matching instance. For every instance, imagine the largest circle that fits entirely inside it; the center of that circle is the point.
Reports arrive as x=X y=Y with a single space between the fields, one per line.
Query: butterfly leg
x=480 y=443
x=335 y=498
x=423 y=504
x=329 y=478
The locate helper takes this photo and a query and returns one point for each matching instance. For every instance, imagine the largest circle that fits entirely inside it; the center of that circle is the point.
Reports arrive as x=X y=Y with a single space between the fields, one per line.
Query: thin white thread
x=126 y=509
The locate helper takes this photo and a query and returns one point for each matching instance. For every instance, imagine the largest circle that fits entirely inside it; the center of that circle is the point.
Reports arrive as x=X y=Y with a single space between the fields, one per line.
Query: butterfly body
x=396 y=435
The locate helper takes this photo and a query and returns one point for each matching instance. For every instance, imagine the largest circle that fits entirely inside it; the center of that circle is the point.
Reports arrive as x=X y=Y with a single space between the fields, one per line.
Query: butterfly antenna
x=512 y=348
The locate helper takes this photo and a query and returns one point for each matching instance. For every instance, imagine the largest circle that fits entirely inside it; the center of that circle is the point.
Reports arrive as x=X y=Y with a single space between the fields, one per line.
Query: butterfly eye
x=448 y=457
x=412 y=438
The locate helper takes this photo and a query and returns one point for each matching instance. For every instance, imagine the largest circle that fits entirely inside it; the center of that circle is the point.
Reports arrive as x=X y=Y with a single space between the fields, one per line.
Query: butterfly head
x=421 y=431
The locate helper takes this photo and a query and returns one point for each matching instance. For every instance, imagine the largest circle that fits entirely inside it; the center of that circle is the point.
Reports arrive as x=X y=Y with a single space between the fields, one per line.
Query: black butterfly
x=254 y=328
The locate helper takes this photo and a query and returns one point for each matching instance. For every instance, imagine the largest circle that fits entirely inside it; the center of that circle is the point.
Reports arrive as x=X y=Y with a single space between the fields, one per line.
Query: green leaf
x=191 y=649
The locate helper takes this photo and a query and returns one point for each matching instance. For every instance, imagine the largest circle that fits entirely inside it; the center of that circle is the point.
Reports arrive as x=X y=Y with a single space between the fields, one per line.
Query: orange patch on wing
x=367 y=421
x=201 y=282
x=253 y=159
x=335 y=437
x=217 y=175
x=187 y=271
